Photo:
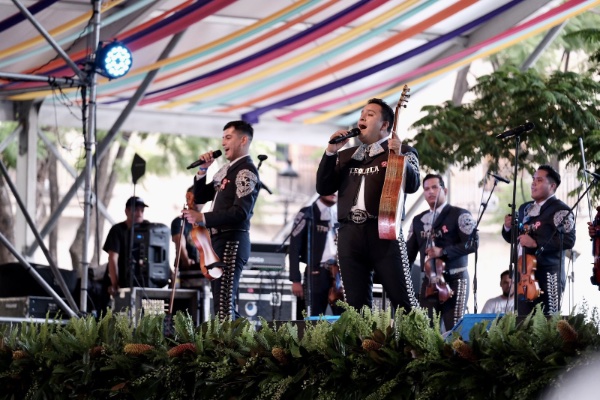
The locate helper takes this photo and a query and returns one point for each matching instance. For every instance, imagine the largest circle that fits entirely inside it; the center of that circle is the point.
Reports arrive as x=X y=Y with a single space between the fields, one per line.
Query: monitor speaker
x=151 y=250
x=15 y=281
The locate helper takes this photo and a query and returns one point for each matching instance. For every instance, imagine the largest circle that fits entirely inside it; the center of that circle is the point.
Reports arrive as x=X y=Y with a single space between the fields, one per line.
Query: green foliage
x=577 y=36
x=564 y=107
x=363 y=355
x=589 y=37
x=10 y=153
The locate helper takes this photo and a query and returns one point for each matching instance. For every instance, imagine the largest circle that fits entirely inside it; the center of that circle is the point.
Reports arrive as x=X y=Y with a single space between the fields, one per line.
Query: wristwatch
x=444 y=253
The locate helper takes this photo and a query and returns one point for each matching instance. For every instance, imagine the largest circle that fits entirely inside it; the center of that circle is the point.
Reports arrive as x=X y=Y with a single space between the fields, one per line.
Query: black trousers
x=453 y=309
x=552 y=285
x=361 y=253
x=233 y=248
x=320 y=284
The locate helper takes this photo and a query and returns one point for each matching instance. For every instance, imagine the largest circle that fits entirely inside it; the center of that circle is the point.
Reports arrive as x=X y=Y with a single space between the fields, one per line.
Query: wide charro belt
x=455 y=271
x=360 y=216
x=216 y=231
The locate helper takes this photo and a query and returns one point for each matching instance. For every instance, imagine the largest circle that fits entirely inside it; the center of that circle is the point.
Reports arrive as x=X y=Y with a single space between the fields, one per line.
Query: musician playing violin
x=188 y=259
x=358 y=175
x=233 y=192
x=449 y=228
x=313 y=242
x=543 y=220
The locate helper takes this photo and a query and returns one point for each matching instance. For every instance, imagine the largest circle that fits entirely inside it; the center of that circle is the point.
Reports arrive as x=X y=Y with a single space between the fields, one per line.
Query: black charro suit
x=360 y=250
x=234 y=191
x=550 y=271
x=451 y=231
x=309 y=235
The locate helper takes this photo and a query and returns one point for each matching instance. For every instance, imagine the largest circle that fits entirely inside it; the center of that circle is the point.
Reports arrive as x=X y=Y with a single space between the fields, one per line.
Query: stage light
x=113 y=60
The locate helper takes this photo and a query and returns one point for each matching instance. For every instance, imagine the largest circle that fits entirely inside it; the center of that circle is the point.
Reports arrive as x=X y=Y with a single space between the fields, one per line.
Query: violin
x=336 y=291
x=210 y=263
x=528 y=287
x=596 y=249
x=436 y=284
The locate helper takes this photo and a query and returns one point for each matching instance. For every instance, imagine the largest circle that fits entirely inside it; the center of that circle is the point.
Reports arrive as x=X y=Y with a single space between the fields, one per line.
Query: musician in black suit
x=313 y=238
x=233 y=192
x=442 y=234
x=358 y=175
x=550 y=228
x=188 y=253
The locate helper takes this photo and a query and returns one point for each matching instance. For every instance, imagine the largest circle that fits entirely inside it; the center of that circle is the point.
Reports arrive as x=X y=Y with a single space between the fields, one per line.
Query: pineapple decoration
x=370 y=345
x=136 y=349
x=182 y=349
x=464 y=350
x=279 y=354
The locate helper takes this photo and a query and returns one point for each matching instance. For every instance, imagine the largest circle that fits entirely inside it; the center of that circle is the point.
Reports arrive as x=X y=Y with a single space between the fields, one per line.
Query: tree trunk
x=54 y=200
x=461 y=85
x=105 y=184
x=7 y=222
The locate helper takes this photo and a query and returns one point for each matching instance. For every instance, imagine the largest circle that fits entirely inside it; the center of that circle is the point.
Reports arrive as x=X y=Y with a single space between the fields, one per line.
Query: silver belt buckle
x=214 y=231
x=359 y=216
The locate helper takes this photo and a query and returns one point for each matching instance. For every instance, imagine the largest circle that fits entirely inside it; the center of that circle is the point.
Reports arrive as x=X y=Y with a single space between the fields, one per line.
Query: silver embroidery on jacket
x=566 y=218
x=220 y=175
x=466 y=223
x=245 y=182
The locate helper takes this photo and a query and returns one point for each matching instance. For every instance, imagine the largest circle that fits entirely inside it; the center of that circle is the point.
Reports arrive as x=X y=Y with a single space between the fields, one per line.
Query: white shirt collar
x=325 y=209
x=438 y=211
x=544 y=202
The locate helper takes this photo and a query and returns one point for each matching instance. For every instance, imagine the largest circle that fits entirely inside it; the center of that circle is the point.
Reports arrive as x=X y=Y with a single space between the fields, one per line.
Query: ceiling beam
x=190 y=124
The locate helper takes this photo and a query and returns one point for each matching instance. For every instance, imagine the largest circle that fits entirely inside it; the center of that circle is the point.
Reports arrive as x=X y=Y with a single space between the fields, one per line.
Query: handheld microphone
x=351 y=133
x=215 y=154
x=498 y=177
x=595 y=175
x=517 y=131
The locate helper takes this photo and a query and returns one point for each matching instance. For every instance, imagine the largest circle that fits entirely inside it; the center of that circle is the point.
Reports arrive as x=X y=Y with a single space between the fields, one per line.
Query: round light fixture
x=113 y=60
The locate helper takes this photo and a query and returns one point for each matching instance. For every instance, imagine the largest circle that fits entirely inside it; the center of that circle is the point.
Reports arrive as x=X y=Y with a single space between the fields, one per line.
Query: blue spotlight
x=113 y=60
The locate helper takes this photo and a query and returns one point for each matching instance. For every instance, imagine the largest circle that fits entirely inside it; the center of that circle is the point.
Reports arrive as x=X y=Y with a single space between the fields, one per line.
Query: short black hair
x=504 y=273
x=190 y=189
x=432 y=176
x=552 y=174
x=386 y=111
x=241 y=126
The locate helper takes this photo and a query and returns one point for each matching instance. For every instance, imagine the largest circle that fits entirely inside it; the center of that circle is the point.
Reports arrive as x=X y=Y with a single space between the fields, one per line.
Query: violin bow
x=430 y=236
x=177 y=260
x=587 y=184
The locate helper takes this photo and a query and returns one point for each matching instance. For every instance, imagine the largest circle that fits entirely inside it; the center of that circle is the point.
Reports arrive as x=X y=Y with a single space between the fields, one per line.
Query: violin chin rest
x=216 y=269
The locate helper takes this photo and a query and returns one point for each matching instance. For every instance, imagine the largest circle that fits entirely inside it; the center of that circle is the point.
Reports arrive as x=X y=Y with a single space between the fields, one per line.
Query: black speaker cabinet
x=151 y=244
x=30 y=307
x=266 y=294
x=16 y=281
x=156 y=301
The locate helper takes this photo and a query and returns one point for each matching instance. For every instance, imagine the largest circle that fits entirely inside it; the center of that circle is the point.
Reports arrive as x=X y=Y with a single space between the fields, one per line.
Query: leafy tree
x=564 y=106
x=8 y=157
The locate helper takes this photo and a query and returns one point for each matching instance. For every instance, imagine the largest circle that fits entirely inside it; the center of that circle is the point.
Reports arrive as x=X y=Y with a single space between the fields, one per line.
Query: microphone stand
x=138 y=169
x=514 y=233
x=261 y=185
x=130 y=261
x=309 y=226
x=474 y=237
x=309 y=259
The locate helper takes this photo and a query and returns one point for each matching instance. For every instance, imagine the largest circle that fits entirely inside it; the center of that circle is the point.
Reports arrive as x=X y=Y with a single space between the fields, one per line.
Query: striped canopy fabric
x=290 y=61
